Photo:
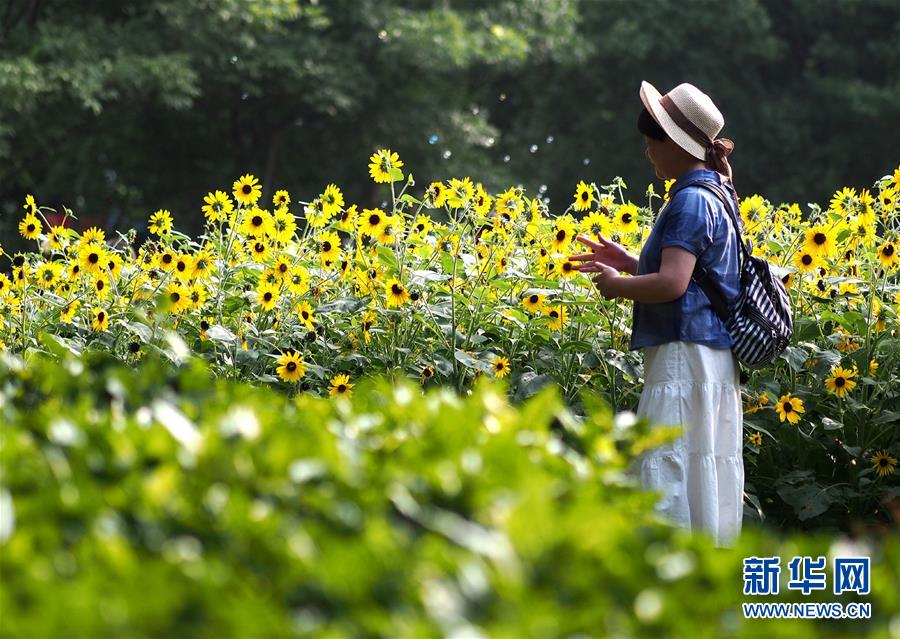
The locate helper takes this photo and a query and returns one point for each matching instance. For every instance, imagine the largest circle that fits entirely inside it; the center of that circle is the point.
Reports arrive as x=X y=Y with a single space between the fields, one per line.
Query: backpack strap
x=700 y=274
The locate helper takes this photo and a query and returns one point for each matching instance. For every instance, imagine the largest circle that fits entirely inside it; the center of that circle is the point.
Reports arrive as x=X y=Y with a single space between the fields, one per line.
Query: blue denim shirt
x=696 y=220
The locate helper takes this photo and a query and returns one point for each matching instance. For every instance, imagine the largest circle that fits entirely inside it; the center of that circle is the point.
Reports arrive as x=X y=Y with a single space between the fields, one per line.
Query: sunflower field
x=445 y=283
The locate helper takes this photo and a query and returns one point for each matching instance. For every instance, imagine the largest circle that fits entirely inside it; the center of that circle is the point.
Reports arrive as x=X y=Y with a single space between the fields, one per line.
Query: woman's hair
x=650 y=127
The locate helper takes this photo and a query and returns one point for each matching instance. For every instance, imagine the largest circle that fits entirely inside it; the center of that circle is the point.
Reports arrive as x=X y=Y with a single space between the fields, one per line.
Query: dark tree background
x=116 y=108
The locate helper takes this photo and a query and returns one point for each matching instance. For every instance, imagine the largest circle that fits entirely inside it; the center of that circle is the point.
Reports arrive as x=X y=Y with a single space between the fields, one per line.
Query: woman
x=691 y=377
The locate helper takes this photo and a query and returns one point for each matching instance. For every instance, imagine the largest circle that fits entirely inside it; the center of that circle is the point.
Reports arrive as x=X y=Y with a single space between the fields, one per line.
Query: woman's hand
x=607 y=281
x=606 y=252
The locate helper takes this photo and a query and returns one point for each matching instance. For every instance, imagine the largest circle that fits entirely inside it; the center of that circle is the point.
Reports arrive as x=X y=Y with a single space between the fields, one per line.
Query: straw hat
x=693 y=123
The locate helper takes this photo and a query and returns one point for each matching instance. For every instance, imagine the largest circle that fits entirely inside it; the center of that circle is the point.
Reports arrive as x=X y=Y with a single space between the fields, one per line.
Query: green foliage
x=160 y=502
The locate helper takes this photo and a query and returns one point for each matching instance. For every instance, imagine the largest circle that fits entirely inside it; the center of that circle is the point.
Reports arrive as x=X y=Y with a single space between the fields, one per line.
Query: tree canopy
x=116 y=108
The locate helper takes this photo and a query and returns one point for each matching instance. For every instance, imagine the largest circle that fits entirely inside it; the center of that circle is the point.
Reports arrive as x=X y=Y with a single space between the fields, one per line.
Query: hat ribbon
x=717 y=150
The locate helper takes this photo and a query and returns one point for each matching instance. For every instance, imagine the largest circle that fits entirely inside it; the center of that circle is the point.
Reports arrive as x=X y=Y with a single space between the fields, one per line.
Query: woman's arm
x=670 y=283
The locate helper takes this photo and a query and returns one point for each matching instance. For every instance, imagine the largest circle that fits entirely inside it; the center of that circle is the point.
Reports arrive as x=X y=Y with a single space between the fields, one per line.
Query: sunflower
x=67 y=313
x=47 y=274
x=755 y=439
x=435 y=195
x=500 y=366
x=178 y=297
x=217 y=206
x=388 y=232
x=887 y=255
x=305 y=313
x=29 y=205
x=340 y=385
x=789 y=408
x=203 y=264
x=396 y=293
x=91 y=258
x=385 y=166
x=267 y=296
x=30 y=227
x=332 y=200
x=99 y=319
x=166 y=259
x=101 y=287
x=508 y=205
x=329 y=246
x=883 y=463
x=841 y=381
x=820 y=241
x=626 y=218
x=483 y=201
x=291 y=366
x=461 y=192
x=284 y=225
x=197 y=294
x=247 y=189
x=93 y=234
x=371 y=221
x=427 y=373
x=556 y=317
x=806 y=262
x=347 y=218
x=257 y=223
x=421 y=227
x=845 y=201
x=184 y=267
x=298 y=280
x=888 y=198
x=57 y=238
x=259 y=251
x=281 y=198
x=584 y=197
x=160 y=222
x=534 y=303
x=563 y=234
x=596 y=224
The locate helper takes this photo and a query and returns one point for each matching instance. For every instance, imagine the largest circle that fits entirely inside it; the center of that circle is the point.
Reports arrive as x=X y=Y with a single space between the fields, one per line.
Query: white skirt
x=701 y=473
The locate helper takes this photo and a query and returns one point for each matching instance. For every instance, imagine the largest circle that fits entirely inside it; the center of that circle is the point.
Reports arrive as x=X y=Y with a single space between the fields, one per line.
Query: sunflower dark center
x=584 y=195
x=267 y=296
x=291 y=366
x=341 y=388
x=840 y=381
x=806 y=259
x=374 y=220
x=247 y=189
x=560 y=235
x=100 y=284
x=788 y=407
x=93 y=258
x=257 y=220
x=204 y=325
x=101 y=316
x=305 y=314
x=31 y=228
x=396 y=289
x=166 y=258
x=626 y=218
x=554 y=314
x=888 y=250
x=181 y=266
x=533 y=299
x=175 y=297
x=819 y=238
x=326 y=246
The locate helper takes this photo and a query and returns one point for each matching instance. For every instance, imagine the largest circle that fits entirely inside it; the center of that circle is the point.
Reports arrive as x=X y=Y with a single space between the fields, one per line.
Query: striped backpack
x=759 y=322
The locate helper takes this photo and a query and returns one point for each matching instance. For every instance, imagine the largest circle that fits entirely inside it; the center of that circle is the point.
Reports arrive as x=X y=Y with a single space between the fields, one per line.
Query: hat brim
x=650 y=97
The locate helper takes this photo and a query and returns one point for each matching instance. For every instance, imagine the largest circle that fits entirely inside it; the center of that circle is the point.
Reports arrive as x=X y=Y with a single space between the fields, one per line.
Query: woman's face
x=657 y=154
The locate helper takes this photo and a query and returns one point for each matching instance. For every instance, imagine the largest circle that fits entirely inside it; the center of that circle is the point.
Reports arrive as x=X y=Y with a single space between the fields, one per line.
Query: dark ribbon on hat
x=717 y=151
